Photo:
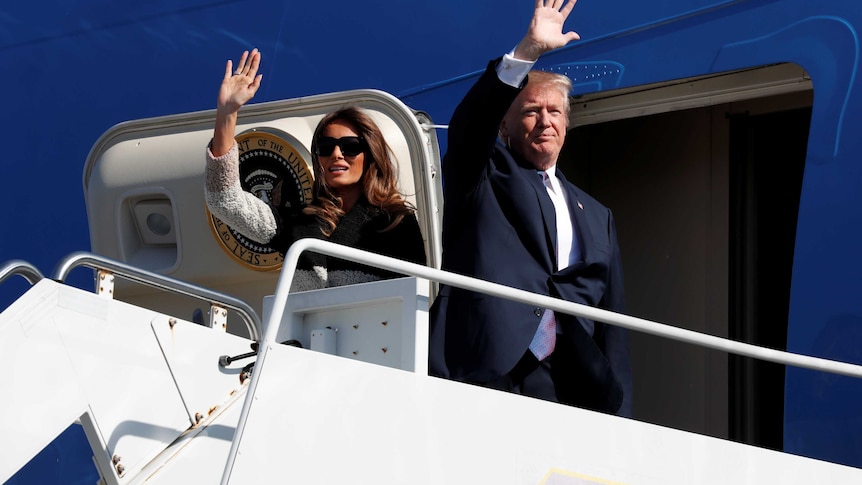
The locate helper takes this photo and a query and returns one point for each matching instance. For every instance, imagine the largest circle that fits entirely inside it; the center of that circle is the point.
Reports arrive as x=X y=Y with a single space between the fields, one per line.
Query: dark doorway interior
x=767 y=160
x=705 y=202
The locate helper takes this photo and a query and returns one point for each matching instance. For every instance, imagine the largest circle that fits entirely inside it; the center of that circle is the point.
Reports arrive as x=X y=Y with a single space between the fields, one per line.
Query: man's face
x=535 y=125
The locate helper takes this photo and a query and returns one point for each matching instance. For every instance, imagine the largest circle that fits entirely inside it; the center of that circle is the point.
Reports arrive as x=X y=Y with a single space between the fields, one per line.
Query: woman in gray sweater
x=355 y=196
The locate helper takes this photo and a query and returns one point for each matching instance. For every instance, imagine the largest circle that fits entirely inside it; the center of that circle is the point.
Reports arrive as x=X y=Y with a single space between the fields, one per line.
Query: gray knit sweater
x=277 y=227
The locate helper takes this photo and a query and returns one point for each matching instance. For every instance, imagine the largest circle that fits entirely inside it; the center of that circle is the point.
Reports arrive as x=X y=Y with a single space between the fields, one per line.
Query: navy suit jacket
x=499 y=225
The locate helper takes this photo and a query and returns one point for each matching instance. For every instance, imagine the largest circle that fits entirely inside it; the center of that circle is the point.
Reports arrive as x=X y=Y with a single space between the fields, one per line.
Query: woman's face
x=341 y=154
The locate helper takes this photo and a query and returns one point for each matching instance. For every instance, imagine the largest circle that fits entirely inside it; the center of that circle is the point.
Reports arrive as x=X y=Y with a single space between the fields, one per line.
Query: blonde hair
x=550 y=79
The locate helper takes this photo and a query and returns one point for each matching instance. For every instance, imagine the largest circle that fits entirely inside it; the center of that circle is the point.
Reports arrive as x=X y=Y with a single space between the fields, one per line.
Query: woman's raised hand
x=240 y=85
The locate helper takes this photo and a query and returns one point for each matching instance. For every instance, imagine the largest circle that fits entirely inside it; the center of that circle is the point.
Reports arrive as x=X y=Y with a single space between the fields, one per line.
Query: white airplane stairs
x=355 y=405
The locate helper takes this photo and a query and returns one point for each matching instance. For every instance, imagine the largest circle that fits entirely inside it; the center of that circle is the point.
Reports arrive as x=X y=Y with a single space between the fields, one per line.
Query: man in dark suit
x=510 y=217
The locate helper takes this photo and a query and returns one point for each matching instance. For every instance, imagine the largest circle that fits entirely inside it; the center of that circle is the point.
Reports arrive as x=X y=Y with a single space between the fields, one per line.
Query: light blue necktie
x=545 y=338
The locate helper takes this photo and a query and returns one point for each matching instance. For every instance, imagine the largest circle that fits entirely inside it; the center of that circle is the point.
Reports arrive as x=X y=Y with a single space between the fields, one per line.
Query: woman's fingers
x=240 y=66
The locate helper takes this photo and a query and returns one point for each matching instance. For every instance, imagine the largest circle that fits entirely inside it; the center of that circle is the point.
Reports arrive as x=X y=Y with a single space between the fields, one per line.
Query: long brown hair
x=378 y=180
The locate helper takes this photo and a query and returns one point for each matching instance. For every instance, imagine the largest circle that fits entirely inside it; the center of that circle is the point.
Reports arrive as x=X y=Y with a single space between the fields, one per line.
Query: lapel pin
x=580 y=206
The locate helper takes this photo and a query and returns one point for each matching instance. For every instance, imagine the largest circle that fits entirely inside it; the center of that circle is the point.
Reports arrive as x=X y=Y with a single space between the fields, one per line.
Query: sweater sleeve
x=225 y=198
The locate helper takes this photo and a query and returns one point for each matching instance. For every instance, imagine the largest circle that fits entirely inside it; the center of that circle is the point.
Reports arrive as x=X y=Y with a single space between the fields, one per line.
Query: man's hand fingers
x=567 y=8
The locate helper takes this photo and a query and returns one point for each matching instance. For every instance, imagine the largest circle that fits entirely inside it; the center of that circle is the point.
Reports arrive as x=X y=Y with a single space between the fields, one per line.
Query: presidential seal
x=272 y=169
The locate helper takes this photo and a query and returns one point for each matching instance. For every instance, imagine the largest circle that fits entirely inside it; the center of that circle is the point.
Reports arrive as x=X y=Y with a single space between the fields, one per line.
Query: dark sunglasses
x=350 y=146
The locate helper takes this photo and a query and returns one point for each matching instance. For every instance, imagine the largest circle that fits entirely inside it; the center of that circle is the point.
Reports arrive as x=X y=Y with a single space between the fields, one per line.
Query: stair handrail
x=327 y=248
x=162 y=282
x=21 y=268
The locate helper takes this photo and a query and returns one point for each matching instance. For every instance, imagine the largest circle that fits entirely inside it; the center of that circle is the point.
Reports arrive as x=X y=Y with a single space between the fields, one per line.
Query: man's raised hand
x=546 y=29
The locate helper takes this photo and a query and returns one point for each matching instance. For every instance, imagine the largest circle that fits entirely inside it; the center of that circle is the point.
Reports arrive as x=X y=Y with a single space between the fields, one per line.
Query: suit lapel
x=579 y=218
